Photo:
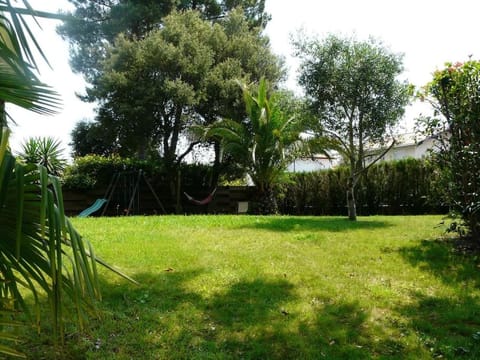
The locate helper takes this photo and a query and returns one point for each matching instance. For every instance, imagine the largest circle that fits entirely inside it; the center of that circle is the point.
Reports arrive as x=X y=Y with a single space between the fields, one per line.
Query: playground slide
x=95 y=207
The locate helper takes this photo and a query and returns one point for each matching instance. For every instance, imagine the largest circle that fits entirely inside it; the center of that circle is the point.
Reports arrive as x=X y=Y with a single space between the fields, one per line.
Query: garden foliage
x=355 y=93
x=263 y=145
x=455 y=94
x=95 y=171
x=398 y=187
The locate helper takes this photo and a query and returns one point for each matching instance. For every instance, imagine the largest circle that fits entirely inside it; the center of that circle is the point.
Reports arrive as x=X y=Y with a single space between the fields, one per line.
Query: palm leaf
x=19 y=84
x=39 y=243
x=39 y=248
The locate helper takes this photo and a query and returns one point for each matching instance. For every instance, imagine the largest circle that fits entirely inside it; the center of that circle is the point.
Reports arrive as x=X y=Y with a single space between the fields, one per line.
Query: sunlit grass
x=230 y=287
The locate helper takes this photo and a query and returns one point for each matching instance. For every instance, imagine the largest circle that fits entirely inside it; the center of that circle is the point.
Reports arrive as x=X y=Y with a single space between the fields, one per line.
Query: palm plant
x=264 y=144
x=19 y=84
x=32 y=247
x=45 y=151
x=37 y=242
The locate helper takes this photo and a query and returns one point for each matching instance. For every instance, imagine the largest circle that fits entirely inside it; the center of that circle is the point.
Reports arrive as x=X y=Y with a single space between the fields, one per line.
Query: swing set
x=123 y=192
x=129 y=196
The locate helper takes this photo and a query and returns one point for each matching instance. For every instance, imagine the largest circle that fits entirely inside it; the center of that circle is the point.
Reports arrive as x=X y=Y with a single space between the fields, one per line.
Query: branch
x=377 y=159
x=339 y=138
x=186 y=152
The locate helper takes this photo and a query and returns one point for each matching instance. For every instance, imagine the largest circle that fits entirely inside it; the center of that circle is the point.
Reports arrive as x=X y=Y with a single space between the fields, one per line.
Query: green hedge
x=398 y=187
x=95 y=171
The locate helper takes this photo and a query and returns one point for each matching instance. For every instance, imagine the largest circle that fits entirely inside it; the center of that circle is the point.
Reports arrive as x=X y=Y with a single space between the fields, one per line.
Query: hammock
x=201 y=202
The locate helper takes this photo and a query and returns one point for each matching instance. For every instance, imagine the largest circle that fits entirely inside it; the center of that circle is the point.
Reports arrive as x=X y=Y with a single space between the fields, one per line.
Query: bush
x=399 y=187
x=96 y=171
x=454 y=91
x=93 y=171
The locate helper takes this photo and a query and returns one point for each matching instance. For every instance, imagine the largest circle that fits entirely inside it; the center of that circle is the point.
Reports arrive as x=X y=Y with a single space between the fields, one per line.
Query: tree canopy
x=185 y=73
x=95 y=24
x=355 y=94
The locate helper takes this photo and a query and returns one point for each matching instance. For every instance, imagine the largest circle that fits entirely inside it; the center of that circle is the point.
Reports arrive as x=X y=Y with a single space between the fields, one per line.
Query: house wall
x=309 y=165
x=402 y=151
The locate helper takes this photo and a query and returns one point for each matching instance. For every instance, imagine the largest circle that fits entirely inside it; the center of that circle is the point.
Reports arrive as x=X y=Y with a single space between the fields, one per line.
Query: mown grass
x=246 y=287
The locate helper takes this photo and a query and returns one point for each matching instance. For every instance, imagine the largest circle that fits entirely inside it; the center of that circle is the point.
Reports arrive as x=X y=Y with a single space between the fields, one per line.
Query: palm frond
x=19 y=84
x=40 y=250
x=39 y=244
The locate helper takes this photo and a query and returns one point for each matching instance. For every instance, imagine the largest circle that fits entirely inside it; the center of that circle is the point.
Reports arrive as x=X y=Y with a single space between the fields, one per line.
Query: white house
x=313 y=163
x=408 y=146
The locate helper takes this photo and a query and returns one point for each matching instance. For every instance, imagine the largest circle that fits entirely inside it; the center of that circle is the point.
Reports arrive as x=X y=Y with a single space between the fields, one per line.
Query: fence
x=226 y=200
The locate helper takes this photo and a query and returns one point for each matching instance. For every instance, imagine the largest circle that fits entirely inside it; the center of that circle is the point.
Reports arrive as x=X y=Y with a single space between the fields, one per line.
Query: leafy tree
x=45 y=151
x=152 y=90
x=40 y=251
x=454 y=93
x=88 y=137
x=95 y=24
x=264 y=143
x=243 y=54
x=354 y=92
x=148 y=88
x=234 y=51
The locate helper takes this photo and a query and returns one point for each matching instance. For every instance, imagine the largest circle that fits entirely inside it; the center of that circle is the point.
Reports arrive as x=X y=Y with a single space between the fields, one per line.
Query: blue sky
x=427 y=32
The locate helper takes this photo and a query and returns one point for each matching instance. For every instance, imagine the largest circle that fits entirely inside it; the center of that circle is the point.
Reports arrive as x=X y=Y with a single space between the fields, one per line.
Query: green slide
x=95 y=207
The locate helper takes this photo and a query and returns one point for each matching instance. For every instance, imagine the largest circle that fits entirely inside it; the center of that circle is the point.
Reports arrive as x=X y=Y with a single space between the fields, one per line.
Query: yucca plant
x=44 y=151
x=40 y=251
x=38 y=244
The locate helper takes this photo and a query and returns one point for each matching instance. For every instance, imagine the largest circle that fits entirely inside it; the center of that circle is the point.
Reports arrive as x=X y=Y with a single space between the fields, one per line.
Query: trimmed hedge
x=399 y=187
x=95 y=171
x=407 y=186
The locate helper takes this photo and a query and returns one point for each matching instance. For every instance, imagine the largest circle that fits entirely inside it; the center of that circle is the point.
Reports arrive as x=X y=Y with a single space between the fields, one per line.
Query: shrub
x=454 y=93
x=398 y=187
x=96 y=171
x=45 y=151
x=93 y=171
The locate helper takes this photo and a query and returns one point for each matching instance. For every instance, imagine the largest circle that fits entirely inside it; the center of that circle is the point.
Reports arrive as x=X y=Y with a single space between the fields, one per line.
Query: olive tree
x=356 y=97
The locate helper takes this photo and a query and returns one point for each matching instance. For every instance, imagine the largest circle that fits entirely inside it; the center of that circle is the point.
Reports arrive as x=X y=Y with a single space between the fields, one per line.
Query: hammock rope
x=205 y=201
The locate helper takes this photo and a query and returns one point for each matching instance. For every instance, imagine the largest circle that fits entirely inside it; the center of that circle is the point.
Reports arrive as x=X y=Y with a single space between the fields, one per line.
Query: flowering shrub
x=455 y=94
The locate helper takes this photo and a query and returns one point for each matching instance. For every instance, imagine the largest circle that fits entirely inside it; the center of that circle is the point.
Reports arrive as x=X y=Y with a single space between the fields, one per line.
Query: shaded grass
x=231 y=287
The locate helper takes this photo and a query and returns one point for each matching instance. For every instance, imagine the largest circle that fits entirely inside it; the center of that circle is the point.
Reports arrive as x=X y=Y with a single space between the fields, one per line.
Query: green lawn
x=246 y=287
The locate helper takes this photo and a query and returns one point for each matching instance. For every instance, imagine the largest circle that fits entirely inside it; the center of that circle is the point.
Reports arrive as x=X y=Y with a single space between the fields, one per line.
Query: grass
x=246 y=287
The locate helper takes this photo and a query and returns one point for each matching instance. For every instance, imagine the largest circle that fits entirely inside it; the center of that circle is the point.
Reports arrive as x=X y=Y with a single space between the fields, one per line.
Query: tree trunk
x=217 y=163
x=352 y=208
x=178 y=201
x=267 y=203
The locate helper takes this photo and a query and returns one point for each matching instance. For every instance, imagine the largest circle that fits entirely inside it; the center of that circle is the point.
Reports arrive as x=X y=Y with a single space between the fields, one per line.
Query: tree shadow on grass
x=161 y=318
x=165 y=318
x=334 y=330
x=333 y=333
x=126 y=318
x=333 y=224
x=446 y=327
x=449 y=326
x=440 y=259
x=250 y=302
x=253 y=320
